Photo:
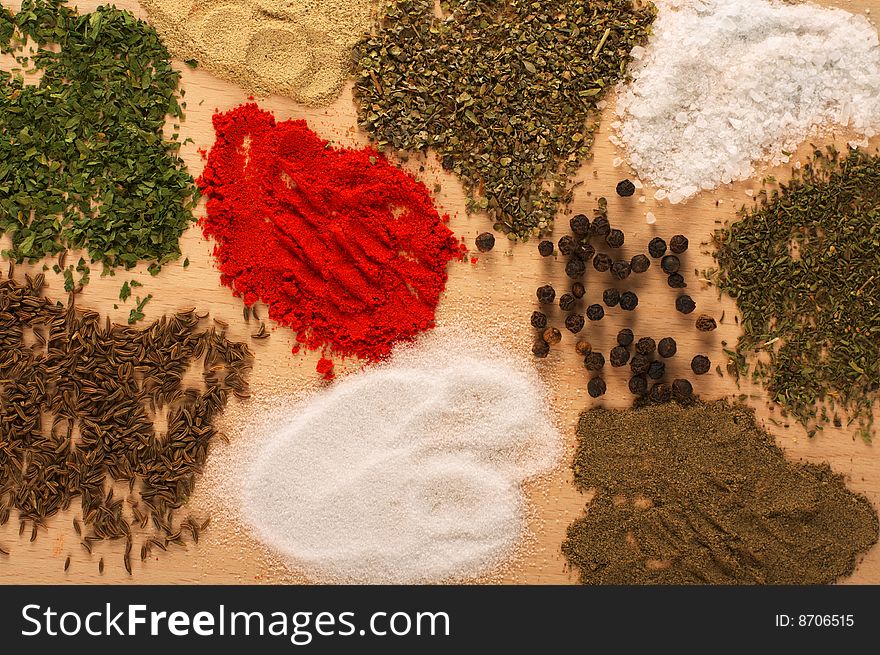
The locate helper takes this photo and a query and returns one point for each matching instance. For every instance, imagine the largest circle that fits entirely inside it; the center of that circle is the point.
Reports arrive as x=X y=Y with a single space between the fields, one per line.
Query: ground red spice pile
x=343 y=247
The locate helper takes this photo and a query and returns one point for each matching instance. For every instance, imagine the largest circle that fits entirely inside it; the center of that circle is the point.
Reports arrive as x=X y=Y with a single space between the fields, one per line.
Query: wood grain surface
x=495 y=295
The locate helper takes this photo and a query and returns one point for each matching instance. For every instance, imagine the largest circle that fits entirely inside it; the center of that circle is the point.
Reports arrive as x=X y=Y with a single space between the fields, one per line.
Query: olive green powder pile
x=504 y=91
x=702 y=495
x=804 y=268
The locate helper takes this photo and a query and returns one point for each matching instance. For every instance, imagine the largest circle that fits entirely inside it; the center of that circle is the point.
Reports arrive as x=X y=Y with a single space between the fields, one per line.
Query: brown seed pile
x=702 y=495
x=81 y=402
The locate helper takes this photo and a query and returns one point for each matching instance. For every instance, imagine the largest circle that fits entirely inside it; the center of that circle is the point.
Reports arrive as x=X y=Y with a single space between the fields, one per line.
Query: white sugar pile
x=407 y=472
x=724 y=85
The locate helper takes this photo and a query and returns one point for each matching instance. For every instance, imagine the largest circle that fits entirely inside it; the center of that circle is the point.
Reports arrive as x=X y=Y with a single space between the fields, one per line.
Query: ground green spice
x=702 y=495
x=83 y=159
x=804 y=268
x=505 y=91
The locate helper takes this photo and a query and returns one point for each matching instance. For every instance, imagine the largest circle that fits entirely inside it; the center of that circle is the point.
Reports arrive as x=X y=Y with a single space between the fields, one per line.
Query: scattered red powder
x=325 y=368
x=343 y=247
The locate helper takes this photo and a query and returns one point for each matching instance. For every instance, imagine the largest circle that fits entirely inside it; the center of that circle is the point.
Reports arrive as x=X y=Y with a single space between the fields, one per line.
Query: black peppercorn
x=656 y=370
x=667 y=347
x=583 y=347
x=660 y=393
x=595 y=312
x=676 y=281
x=574 y=323
x=580 y=224
x=629 y=301
x=685 y=304
x=700 y=364
x=706 y=323
x=625 y=188
x=639 y=264
x=614 y=238
x=670 y=264
x=646 y=346
x=566 y=245
x=552 y=335
x=594 y=361
x=625 y=337
x=657 y=248
x=601 y=226
x=539 y=320
x=682 y=389
x=619 y=356
x=639 y=364
x=611 y=297
x=678 y=244
x=566 y=302
x=485 y=242
x=575 y=268
x=545 y=248
x=596 y=387
x=578 y=290
x=620 y=270
x=638 y=385
x=540 y=348
x=602 y=262
x=585 y=251
x=546 y=294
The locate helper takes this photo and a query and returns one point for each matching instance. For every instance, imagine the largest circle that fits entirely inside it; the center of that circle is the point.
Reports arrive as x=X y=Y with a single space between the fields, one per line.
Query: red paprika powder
x=343 y=247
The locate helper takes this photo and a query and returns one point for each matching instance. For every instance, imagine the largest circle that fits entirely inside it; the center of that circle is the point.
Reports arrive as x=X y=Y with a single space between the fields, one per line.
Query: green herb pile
x=804 y=268
x=83 y=159
x=504 y=91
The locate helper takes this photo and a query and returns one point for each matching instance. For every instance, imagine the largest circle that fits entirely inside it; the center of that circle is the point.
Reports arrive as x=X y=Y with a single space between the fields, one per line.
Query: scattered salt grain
x=724 y=85
x=650 y=219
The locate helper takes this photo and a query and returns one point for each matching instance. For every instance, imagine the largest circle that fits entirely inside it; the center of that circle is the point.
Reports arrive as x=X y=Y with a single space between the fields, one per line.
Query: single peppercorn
x=580 y=224
x=552 y=335
x=700 y=364
x=602 y=262
x=685 y=304
x=625 y=188
x=629 y=301
x=578 y=290
x=583 y=347
x=539 y=320
x=678 y=244
x=574 y=323
x=611 y=297
x=545 y=248
x=639 y=264
x=646 y=346
x=596 y=387
x=619 y=356
x=660 y=393
x=676 y=281
x=601 y=226
x=657 y=248
x=670 y=264
x=682 y=390
x=625 y=337
x=620 y=270
x=594 y=361
x=638 y=385
x=566 y=245
x=667 y=347
x=546 y=294
x=585 y=251
x=656 y=370
x=540 y=348
x=595 y=312
x=485 y=242
x=639 y=364
x=575 y=268
x=566 y=302
x=614 y=238
x=706 y=323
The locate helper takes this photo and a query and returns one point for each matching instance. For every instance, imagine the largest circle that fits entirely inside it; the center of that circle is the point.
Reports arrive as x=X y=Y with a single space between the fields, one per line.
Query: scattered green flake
x=137 y=313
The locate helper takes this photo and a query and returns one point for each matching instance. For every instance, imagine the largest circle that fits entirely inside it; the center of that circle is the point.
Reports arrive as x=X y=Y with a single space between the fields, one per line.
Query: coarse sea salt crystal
x=650 y=219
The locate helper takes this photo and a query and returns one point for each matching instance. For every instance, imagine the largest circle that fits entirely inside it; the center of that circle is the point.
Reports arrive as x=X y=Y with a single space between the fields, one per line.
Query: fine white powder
x=724 y=85
x=407 y=472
